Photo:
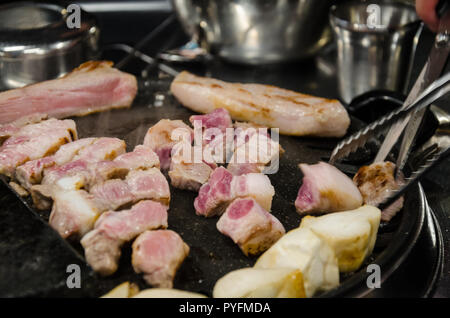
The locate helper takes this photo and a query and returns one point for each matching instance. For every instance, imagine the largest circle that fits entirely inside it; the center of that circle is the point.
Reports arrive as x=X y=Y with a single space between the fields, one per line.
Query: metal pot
x=36 y=43
x=256 y=31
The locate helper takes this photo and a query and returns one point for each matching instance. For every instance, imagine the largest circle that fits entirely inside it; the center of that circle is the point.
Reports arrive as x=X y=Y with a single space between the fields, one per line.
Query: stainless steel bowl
x=257 y=31
x=36 y=43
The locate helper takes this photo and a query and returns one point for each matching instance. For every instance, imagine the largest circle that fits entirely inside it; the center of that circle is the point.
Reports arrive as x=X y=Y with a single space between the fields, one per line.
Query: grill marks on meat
x=92 y=87
x=158 y=255
x=35 y=141
x=250 y=226
x=102 y=245
x=293 y=113
x=375 y=182
x=223 y=187
x=326 y=189
x=159 y=138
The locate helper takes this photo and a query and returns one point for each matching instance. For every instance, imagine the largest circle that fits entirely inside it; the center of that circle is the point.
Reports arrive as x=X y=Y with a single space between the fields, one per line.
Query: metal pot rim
x=337 y=21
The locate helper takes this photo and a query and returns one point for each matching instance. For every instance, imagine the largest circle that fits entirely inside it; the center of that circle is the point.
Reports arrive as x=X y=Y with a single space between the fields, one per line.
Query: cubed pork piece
x=214 y=138
x=250 y=226
x=222 y=188
x=102 y=245
x=109 y=195
x=254 y=151
x=74 y=213
x=185 y=173
x=326 y=189
x=35 y=141
x=162 y=136
x=138 y=185
x=158 y=255
x=376 y=182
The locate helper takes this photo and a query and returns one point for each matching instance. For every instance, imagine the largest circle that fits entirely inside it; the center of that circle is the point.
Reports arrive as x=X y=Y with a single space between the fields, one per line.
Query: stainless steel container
x=375 y=45
x=37 y=44
x=257 y=31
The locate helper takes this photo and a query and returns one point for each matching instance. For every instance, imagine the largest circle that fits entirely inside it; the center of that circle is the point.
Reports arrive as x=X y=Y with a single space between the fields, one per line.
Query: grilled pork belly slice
x=301 y=249
x=67 y=152
x=222 y=188
x=102 y=245
x=250 y=226
x=159 y=138
x=326 y=189
x=158 y=255
x=35 y=141
x=351 y=234
x=375 y=182
x=92 y=87
x=293 y=113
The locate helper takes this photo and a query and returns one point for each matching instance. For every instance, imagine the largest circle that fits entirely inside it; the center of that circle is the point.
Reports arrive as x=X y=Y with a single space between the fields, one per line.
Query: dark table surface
x=30 y=249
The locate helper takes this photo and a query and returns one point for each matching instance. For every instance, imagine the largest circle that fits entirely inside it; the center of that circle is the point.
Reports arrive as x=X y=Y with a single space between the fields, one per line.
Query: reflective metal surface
x=36 y=44
x=375 y=45
x=254 y=32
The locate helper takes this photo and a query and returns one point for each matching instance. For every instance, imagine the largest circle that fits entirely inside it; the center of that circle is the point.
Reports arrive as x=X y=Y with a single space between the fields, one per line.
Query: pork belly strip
x=158 y=255
x=35 y=141
x=293 y=113
x=222 y=188
x=92 y=87
x=252 y=228
x=102 y=245
x=376 y=182
x=326 y=189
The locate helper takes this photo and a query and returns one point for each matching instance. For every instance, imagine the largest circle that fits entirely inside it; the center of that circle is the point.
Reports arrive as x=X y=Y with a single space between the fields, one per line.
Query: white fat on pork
x=252 y=228
x=326 y=189
x=158 y=255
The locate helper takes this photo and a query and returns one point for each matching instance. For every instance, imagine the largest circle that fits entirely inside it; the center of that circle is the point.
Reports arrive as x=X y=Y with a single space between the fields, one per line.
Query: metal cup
x=376 y=43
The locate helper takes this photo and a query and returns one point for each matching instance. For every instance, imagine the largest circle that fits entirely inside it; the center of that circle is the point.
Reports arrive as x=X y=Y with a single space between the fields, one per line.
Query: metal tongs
x=358 y=140
x=408 y=118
